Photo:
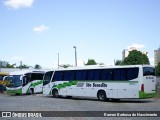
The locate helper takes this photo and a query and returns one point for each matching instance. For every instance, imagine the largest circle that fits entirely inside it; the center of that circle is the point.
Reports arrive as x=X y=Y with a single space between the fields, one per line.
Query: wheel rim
x=102 y=96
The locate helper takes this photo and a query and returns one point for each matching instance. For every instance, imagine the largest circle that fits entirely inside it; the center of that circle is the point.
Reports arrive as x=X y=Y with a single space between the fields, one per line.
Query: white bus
x=113 y=82
x=25 y=82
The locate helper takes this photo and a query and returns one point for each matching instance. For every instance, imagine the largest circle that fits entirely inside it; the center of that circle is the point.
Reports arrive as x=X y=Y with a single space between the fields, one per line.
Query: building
x=156 y=57
x=125 y=52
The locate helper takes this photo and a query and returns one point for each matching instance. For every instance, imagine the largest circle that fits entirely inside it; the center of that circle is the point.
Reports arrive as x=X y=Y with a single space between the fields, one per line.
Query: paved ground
x=39 y=102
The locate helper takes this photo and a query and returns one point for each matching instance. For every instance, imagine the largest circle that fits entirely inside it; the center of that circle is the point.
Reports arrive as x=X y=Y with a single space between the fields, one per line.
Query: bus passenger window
x=78 y=75
x=58 y=76
x=69 y=75
x=81 y=75
x=90 y=74
x=97 y=75
x=117 y=74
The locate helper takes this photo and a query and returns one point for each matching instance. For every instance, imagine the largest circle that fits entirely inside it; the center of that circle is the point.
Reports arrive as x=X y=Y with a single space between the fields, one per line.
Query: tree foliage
x=66 y=65
x=23 y=66
x=37 y=66
x=10 y=65
x=118 y=62
x=136 y=58
x=157 y=69
x=91 y=62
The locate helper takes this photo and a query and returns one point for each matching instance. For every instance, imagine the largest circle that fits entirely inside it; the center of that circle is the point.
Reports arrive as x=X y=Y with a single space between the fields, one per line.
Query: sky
x=35 y=31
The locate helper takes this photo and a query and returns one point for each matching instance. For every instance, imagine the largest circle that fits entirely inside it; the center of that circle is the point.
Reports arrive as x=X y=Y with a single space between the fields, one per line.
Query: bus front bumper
x=14 y=91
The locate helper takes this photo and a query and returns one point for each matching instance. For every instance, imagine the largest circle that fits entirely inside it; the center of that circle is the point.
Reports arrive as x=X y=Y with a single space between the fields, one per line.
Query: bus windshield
x=1 y=77
x=47 y=77
x=148 y=71
x=14 y=81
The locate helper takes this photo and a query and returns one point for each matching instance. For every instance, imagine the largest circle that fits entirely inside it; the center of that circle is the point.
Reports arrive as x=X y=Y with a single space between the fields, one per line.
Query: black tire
x=69 y=97
x=31 y=91
x=102 y=96
x=55 y=93
x=115 y=100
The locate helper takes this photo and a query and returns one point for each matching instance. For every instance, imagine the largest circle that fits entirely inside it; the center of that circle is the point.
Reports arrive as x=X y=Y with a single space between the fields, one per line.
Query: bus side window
x=90 y=74
x=132 y=73
x=104 y=74
x=33 y=77
x=93 y=74
x=97 y=75
x=123 y=74
x=78 y=75
x=69 y=75
x=117 y=74
x=40 y=76
x=83 y=75
x=109 y=74
x=25 y=80
x=58 y=76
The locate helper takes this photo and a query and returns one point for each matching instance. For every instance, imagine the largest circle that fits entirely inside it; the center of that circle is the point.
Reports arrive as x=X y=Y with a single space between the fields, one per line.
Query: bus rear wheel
x=101 y=95
x=55 y=93
x=31 y=91
x=69 y=97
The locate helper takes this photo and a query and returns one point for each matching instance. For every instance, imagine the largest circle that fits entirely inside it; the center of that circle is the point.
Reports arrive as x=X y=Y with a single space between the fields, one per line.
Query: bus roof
x=26 y=71
x=100 y=67
x=4 y=73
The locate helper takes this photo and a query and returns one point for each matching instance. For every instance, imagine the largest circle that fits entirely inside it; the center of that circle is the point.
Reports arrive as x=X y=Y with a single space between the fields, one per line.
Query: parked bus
x=25 y=82
x=3 y=82
x=113 y=82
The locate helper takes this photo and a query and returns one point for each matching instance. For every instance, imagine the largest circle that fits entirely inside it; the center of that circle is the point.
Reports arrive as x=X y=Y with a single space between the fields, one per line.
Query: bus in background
x=3 y=82
x=104 y=82
x=25 y=82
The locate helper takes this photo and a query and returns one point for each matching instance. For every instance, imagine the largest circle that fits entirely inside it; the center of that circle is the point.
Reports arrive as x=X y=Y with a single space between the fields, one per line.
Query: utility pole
x=58 y=60
x=75 y=55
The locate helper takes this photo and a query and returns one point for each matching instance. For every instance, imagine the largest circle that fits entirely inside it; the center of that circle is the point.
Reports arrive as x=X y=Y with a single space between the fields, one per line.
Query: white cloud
x=40 y=28
x=16 y=4
x=151 y=61
x=18 y=58
x=135 y=45
x=80 y=63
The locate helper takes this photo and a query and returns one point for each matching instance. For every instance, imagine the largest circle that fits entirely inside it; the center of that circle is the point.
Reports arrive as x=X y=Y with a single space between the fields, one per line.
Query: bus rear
x=148 y=84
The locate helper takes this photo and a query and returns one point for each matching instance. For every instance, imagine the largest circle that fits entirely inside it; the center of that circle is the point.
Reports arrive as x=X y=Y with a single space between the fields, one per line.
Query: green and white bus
x=103 y=82
x=25 y=82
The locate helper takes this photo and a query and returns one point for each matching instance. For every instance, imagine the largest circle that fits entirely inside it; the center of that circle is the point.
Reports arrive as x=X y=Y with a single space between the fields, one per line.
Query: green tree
x=37 y=66
x=100 y=63
x=10 y=65
x=118 y=62
x=157 y=69
x=23 y=66
x=136 y=58
x=66 y=65
x=91 y=62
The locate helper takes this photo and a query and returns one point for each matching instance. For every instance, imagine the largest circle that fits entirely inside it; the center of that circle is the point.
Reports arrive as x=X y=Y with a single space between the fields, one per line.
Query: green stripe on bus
x=34 y=85
x=64 y=85
x=143 y=95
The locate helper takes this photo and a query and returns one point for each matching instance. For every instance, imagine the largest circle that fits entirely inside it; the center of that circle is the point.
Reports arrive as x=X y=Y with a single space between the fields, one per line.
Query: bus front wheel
x=55 y=93
x=101 y=95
